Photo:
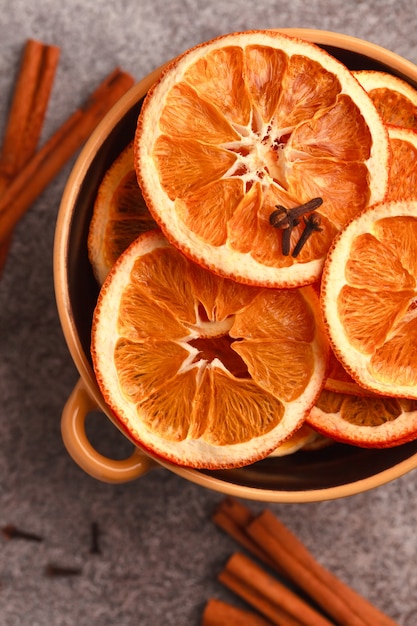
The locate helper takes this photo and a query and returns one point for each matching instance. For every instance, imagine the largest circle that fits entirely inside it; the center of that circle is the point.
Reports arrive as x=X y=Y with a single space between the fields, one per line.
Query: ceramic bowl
x=333 y=472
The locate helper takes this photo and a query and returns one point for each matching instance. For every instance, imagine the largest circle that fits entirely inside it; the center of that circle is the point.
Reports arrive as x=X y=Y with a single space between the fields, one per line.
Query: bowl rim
x=63 y=301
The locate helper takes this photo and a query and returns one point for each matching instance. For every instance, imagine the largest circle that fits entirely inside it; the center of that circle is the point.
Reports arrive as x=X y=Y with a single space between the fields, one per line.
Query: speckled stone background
x=160 y=553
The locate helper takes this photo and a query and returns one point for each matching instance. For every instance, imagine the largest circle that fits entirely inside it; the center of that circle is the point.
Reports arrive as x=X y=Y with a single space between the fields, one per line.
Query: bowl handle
x=78 y=406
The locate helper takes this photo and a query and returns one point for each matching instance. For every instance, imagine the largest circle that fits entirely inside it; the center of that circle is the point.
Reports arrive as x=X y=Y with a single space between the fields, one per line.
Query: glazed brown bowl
x=332 y=472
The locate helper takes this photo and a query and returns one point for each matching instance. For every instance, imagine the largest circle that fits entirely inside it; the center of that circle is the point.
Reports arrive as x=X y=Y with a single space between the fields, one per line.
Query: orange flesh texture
x=128 y=218
x=378 y=305
x=403 y=171
x=338 y=380
x=249 y=128
x=394 y=107
x=188 y=376
x=362 y=410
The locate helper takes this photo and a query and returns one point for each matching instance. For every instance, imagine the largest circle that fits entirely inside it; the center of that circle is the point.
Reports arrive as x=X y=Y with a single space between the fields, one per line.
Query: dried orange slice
x=246 y=123
x=306 y=438
x=198 y=369
x=403 y=171
x=119 y=214
x=394 y=98
x=369 y=422
x=369 y=298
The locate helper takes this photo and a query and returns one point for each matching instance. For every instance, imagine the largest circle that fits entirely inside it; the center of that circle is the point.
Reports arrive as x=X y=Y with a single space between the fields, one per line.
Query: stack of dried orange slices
x=253 y=151
x=369 y=301
x=374 y=413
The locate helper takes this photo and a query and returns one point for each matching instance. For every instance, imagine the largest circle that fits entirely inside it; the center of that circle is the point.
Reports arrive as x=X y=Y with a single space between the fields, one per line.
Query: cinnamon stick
x=26 y=115
x=272 y=598
x=48 y=161
x=28 y=107
x=237 y=511
x=303 y=571
x=232 y=517
x=219 y=613
x=338 y=599
x=327 y=597
x=276 y=615
x=4 y=251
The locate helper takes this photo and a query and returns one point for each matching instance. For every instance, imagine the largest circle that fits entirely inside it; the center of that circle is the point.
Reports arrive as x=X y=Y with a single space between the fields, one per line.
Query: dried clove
x=95 y=534
x=55 y=571
x=12 y=532
x=285 y=218
x=312 y=224
x=286 y=236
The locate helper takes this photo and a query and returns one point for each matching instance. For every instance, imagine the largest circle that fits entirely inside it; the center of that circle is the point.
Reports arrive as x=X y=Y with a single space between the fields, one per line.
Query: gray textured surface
x=160 y=552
